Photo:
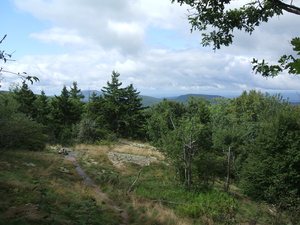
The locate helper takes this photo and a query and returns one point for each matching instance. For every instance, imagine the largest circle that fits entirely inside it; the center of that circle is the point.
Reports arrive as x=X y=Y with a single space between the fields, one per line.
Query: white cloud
x=62 y=37
x=106 y=35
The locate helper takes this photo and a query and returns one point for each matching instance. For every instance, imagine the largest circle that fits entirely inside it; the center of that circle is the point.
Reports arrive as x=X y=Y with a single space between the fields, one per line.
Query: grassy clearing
x=44 y=188
x=157 y=186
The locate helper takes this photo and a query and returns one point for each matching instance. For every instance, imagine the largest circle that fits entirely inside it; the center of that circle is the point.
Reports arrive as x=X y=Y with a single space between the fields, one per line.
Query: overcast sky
x=147 y=41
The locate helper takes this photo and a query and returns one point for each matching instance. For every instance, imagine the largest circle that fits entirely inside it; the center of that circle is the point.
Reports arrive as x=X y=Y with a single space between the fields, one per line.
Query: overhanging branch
x=289 y=8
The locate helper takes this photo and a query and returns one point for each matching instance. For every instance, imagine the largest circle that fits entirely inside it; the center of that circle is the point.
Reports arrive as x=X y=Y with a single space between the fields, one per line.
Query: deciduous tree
x=223 y=19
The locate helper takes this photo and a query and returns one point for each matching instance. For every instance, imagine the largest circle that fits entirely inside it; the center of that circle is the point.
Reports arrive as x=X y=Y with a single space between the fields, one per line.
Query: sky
x=147 y=41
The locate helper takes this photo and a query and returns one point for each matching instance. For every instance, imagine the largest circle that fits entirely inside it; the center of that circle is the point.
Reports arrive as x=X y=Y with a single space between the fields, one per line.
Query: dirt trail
x=88 y=181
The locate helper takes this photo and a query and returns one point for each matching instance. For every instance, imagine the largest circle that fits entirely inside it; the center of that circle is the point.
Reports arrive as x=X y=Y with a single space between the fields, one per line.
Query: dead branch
x=3 y=38
x=174 y=203
x=133 y=184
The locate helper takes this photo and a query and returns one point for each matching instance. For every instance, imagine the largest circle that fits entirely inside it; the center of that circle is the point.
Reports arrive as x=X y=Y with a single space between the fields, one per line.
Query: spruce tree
x=75 y=93
x=25 y=97
x=42 y=109
x=113 y=103
x=64 y=114
x=123 y=108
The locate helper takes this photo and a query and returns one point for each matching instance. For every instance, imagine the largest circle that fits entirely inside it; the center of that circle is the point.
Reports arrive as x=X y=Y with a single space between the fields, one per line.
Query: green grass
x=44 y=188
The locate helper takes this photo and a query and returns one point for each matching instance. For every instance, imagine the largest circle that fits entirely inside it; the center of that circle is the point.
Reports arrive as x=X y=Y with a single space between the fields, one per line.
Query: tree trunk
x=228 y=169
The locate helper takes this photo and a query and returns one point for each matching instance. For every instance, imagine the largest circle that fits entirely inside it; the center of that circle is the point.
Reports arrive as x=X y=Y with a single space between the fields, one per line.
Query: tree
x=93 y=125
x=226 y=134
x=286 y=62
x=163 y=118
x=7 y=57
x=113 y=95
x=123 y=108
x=183 y=134
x=17 y=130
x=26 y=98
x=75 y=93
x=42 y=108
x=134 y=116
x=266 y=145
x=272 y=169
x=65 y=112
x=224 y=19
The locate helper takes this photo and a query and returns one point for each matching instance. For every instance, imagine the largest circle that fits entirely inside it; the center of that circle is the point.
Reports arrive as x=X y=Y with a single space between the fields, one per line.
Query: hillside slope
x=45 y=188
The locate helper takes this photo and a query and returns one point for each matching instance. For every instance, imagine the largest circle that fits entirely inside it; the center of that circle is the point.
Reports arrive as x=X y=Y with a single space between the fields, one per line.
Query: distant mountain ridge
x=184 y=98
x=148 y=100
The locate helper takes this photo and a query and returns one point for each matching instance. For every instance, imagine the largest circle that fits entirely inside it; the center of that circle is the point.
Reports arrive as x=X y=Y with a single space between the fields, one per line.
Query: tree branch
x=3 y=38
x=174 y=203
x=133 y=184
x=289 y=8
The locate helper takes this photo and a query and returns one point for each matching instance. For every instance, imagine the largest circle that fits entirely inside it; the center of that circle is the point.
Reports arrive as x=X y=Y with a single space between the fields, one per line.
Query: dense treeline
x=67 y=119
x=252 y=141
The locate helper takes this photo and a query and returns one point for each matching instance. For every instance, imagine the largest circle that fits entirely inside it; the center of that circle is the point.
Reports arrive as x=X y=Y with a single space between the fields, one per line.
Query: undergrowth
x=44 y=188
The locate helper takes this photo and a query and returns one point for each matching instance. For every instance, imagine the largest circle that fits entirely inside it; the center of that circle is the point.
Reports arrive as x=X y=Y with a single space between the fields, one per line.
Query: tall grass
x=44 y=188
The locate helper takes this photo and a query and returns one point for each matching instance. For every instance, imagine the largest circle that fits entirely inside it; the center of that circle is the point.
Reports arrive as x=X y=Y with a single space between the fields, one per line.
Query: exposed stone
x=119 y=158
x=64 y=151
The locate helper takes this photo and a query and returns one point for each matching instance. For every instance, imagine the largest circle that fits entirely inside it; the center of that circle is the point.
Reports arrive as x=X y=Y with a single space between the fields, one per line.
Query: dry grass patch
x=157 y=213
x=136 y=150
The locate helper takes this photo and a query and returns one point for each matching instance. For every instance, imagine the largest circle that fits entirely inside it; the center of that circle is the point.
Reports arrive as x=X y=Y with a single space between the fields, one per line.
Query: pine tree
x=123 y=108
x=75 y=93
x=134 y=117
x=64 y=113
x=113 y=97
x=42 y=109
x=25 y=97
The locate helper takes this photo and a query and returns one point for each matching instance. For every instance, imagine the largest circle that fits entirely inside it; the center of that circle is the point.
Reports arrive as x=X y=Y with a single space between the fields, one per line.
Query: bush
x=18 y=131
x=87 y=131
x=216 y=205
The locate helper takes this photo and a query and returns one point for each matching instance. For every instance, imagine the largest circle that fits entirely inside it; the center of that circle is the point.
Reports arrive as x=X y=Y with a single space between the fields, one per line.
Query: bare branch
x=289 y=8
x=174 y=203
x=133 y=184
x=3 y=38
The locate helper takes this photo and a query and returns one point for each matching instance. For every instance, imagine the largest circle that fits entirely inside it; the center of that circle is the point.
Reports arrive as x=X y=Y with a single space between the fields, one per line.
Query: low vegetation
x=230 y=161
x=45 y=188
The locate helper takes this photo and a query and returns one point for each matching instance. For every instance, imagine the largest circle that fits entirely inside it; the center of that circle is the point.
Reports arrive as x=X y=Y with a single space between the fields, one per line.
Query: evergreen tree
x=64 y=113
x=113 y=94
x=42 y=109
x=123 y=108
x=93 y=126
x=25 y=97
x=75 y=93
x=134 y=116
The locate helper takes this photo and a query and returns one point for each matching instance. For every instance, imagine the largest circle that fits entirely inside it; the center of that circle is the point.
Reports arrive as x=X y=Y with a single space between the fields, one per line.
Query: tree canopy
x=8 y=57
x=222 y=18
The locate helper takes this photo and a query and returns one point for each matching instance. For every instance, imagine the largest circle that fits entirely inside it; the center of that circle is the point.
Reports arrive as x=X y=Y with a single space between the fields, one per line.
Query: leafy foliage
x=223 y=19
x=184 y=135
x=286 y=62
x=261 y=132
x=7 y=57
x=17 y=130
